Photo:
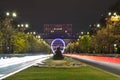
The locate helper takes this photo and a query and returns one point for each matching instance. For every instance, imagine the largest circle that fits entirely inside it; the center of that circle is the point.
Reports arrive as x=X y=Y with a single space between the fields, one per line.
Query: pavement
x=108 y=64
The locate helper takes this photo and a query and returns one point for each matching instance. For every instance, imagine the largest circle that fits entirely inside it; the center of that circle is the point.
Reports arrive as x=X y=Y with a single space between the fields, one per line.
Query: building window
x=66 y=31
x=52 y=31
x=57 y=28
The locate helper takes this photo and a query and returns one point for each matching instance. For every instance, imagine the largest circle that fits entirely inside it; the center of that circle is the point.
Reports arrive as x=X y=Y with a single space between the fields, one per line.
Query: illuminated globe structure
x=58 y=43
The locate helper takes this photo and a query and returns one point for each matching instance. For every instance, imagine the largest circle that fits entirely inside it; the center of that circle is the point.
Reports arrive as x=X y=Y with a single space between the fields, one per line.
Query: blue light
x=58 y=39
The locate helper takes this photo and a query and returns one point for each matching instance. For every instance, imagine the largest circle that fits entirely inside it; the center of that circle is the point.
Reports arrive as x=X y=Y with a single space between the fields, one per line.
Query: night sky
x=80 y=13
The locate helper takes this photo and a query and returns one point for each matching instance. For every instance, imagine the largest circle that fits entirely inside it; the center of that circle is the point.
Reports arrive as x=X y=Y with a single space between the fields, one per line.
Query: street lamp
x=109 y=14
x=7 y=46
x=98 y=25
x=112 y=19
x=9 y=14
x=114 y=13
x=115 y=48
x=34 y=33
x=82 y=33
x=38 y=37
x=26 y=25
x=79 y=36
x=22 y=27
x=88 y=33
x=14 y=14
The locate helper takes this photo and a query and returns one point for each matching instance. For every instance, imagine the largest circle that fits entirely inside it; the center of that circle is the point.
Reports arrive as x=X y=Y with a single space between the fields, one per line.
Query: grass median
x=81 y=73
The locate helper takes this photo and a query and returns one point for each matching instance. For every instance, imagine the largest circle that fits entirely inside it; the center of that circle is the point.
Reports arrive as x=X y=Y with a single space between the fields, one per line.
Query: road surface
x=10 y=66
x=108 y=64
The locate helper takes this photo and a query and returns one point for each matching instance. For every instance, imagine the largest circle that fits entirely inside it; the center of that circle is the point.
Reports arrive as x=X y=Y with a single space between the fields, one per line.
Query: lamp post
x=31 y=38
x=22 y=27
x=112 y=19
x=115 y=48
x=38 y=37
x=82 y=33
x=7 y=48
x=11 y=14
x=98 y=25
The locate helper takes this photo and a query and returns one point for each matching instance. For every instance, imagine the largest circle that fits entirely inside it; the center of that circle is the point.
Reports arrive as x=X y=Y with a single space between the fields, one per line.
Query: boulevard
x=33 y=32
x=108 y=64
x=10 y=66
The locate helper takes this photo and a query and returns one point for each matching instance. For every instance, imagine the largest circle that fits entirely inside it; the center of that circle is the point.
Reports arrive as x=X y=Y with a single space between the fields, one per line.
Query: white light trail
x=17 y=60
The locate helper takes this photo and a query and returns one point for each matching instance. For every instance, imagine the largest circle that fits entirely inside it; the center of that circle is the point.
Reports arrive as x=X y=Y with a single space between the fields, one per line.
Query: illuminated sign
x=57 y=28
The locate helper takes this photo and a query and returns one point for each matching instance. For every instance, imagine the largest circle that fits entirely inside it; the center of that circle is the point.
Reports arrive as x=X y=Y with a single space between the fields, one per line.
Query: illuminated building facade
x=57 y=31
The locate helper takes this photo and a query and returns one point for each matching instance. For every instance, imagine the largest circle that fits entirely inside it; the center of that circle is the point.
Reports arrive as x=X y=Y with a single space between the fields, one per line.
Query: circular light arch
x=58 y=39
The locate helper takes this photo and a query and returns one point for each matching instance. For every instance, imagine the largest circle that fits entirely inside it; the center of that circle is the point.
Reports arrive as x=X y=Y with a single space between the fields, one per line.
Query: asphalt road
x=16 y=66
x=109 y=67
